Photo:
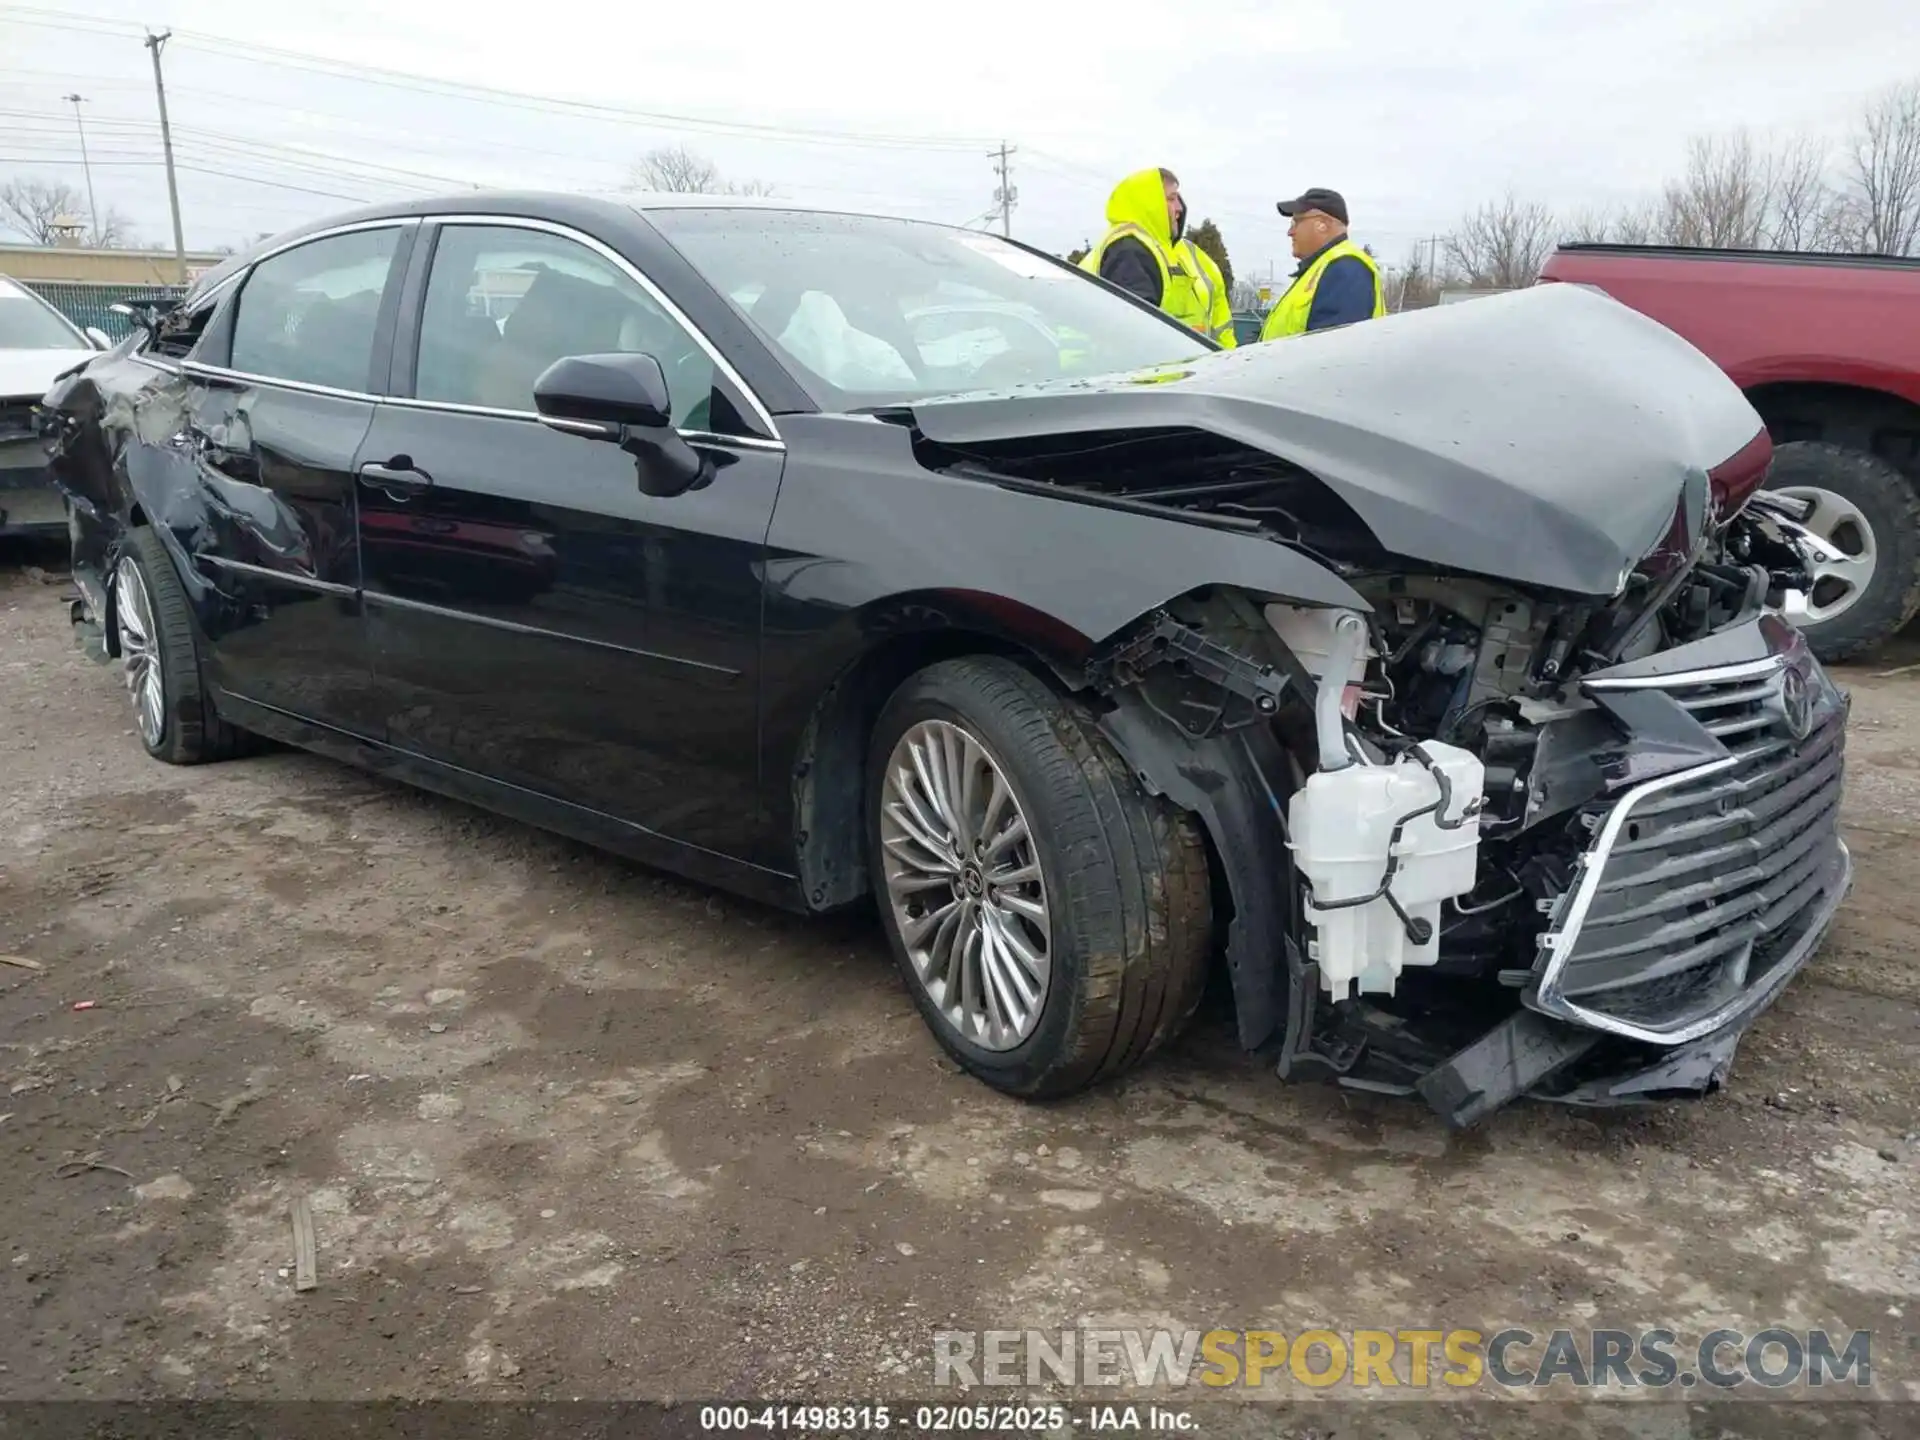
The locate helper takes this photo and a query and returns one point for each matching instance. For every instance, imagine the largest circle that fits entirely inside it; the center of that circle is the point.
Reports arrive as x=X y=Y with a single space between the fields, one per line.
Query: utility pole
x=93 y=208
x=154 y=42
x=1006 y=194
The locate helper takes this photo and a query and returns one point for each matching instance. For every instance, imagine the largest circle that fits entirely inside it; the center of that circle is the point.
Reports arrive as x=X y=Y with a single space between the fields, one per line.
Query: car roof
x=561 y=205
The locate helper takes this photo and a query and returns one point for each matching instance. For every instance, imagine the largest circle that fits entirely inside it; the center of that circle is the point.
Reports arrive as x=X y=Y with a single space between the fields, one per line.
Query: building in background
x=82 y=265
x=84 y=284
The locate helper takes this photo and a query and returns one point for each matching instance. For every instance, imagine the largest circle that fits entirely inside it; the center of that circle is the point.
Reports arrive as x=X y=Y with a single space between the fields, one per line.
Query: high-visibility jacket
x=1137 y=209
x=1220 y=304
x=1289 y=316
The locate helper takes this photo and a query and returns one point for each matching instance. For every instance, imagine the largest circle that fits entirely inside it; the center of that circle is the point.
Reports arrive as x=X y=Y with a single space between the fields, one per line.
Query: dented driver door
x=274 y=434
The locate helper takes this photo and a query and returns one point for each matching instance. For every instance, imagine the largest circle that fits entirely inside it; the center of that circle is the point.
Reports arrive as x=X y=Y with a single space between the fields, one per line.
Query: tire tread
x=1137 y=911
x=194 y=733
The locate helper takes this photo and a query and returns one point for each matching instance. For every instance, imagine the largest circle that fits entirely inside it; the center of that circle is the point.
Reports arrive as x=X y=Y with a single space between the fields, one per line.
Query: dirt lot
x=570 y=1129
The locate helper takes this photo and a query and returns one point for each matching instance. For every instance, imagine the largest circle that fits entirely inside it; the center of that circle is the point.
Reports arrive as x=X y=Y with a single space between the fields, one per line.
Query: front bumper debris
x=1543 y=1058
x=1712 y=875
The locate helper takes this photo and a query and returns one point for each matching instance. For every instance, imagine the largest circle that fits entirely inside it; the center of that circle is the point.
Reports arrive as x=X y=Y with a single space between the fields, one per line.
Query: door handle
x=399 y=482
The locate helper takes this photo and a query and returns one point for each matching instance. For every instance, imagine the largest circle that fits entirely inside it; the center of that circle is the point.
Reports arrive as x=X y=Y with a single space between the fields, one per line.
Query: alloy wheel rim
x=139 y=651
x=1842 y=574
x=963 y=879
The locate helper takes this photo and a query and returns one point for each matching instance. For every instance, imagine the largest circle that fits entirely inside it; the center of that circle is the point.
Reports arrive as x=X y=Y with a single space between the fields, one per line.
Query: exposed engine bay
x=1453 y=762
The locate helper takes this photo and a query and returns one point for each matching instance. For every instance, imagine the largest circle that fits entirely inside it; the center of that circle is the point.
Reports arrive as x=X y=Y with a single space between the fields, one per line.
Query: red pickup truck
x=1827 y=348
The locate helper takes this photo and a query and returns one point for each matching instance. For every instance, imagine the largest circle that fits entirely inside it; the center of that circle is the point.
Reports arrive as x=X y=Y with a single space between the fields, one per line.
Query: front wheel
x=1051 y=919
x=1865 y=511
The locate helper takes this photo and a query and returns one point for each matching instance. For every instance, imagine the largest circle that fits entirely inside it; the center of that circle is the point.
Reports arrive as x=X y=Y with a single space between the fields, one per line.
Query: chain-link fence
x=90 y=303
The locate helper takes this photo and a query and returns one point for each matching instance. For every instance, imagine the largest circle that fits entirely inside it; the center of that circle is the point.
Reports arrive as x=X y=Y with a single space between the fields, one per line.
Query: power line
x=190 y=168
x=131 y=128
x=517 y=99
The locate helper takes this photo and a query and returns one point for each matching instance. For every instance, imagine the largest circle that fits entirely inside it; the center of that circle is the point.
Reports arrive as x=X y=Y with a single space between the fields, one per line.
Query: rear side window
x=309 y=314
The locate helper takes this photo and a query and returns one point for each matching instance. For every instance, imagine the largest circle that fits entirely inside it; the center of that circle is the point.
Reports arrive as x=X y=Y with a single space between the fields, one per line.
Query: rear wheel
x=160 y=658
x=1050 y=918
x=1867 y=586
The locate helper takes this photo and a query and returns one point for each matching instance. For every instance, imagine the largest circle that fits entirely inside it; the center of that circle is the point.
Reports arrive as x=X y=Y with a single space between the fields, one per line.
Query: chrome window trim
x=581 y=427
x=220 y=289
x=392 y=222
x=222 y=372
x=633 y=273
x=1559 y=942
x=498 y=222
x=1717 y=675
x=219 y=372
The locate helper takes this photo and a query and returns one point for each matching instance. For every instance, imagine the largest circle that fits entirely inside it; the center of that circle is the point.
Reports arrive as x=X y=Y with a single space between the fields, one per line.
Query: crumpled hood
x=1141 y=199
x=30 y=372
x=1544 y=436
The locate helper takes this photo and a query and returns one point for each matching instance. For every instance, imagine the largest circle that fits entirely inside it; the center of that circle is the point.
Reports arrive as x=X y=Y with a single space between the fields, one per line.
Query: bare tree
x=1802 y=206
x=39 y=209
x=1503 y=244
x=1412 y=285
x=1722 y=198
x=1636 y=225
x=678 y=170
x=1883 y=172
x=1589 y=225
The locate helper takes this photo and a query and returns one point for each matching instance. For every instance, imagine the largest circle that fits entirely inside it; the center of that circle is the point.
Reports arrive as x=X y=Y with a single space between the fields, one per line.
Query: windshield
x=871 y=311
x=26 y=324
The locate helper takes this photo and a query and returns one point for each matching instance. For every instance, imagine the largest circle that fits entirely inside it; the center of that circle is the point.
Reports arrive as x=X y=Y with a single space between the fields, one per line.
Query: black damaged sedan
x=1422 y=679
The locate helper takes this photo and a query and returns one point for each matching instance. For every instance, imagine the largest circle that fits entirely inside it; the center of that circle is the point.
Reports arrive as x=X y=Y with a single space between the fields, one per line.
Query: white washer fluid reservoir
x=1340 y=825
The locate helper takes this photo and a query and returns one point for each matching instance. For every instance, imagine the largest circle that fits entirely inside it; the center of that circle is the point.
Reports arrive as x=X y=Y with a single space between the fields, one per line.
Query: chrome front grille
x=1730 y=708
x=1698 y=885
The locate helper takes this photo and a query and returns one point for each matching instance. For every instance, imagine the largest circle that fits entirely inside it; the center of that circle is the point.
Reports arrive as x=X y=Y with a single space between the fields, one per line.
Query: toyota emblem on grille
x=1796 y=704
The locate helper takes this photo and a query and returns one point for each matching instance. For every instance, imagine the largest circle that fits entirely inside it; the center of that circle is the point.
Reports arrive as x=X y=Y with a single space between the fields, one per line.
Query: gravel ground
x=572 y=1129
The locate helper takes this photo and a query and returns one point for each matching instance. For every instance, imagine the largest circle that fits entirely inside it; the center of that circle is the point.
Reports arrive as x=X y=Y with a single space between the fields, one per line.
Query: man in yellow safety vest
x=1336 y=283
x=1218 y=305
x=1141 y=251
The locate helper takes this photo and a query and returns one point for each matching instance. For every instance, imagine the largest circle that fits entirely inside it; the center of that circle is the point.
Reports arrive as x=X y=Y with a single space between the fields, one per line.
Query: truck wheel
x=1051 y=919
x=1867 y=511
x=160 y=657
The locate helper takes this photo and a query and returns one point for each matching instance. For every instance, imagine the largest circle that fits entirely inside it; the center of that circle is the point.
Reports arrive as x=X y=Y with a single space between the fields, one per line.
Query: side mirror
x=610 y=390
x=622 y=398
x=101 y=340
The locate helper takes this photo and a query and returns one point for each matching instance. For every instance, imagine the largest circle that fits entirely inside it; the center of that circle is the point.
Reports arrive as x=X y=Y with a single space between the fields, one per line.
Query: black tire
x=1886 y=500
x=1126 y=878
x=192 y=732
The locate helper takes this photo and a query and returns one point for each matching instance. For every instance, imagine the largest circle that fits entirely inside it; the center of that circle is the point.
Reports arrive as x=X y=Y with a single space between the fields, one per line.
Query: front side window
x=503 y=303
x=309 y=314
x=870 y=311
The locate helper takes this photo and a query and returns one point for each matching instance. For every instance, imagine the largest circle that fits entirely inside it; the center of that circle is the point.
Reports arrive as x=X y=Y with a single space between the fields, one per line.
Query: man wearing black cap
x=1336 y=282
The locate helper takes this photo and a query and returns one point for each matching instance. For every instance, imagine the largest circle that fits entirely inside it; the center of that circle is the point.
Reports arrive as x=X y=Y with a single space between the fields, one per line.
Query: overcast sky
x=1413 y=112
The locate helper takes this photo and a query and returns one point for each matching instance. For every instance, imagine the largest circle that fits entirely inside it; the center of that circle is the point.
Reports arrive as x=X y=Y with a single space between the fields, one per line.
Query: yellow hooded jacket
x=1137 y=209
